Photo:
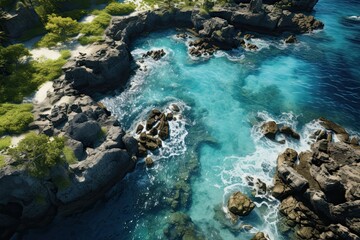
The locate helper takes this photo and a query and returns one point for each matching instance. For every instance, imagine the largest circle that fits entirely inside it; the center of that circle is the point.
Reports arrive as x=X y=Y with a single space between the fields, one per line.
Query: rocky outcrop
x=16 y=24
x=271 y=130
x=108 y=64
x=104 y=68
x=98 y=142
x=155 y=54
x=319 y=193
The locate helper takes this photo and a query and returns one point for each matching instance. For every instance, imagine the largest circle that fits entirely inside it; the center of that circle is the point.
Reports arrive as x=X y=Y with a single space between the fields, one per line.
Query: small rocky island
x=318 y=189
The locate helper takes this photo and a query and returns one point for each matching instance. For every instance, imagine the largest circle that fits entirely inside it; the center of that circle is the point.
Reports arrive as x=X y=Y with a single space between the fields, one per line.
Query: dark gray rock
x=255 y=6
x=131 y=145
x=92 y=177
x=84 y=130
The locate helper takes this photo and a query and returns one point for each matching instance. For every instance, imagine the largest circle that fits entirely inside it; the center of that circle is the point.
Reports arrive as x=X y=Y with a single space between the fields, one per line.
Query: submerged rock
x=180 y=226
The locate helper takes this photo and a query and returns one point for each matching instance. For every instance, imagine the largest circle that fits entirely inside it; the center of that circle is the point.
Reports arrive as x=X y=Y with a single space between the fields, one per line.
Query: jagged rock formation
x=108 y=63
x=320 y=193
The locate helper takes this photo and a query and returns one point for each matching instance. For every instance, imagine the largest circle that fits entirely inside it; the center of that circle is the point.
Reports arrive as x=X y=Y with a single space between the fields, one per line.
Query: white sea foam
x=175 y=144
x=261 y=165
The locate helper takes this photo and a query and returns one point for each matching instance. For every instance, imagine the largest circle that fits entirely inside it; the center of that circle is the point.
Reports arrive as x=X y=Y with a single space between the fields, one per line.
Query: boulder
x=291 y=39
x=240 y=205
x=149 y=162
x=286 y=130
x=338 y=232
x=93 y=176
x=105 y=67
x=290 y=177
x=340 y=132
x=260 y=236
x=131 y=145
x=84 y=130
x=288 y=157
x=255 y=6
x=269 y=129
x=139 y=128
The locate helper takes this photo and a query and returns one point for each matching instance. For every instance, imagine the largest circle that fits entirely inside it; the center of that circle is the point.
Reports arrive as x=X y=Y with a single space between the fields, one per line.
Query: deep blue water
x=221 y=100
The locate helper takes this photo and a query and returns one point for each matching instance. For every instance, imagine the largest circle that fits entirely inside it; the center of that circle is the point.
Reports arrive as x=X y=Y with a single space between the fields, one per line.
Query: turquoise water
x=222 y=100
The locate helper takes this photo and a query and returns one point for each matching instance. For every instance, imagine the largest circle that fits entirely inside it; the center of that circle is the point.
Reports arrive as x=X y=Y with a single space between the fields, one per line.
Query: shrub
x=60 y=29
x=2 y=161
x=39 y=153
x=97 y=26
x=5 y=142
x=69 y=155
x=116 y=8
x=15 y=118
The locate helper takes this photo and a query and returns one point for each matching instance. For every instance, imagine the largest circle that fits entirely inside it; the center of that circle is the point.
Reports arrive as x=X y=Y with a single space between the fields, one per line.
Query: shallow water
x=222 y=100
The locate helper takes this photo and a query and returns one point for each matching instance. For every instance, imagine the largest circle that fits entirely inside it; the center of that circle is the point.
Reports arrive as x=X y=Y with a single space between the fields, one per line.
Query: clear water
x=221 y=100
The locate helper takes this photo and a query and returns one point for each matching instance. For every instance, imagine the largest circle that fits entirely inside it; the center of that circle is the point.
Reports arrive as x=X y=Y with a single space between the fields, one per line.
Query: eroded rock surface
x=320 y=193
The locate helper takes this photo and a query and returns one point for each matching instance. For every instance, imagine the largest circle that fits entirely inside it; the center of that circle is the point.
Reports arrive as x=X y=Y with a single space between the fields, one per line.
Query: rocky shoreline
x=105 y=152
x=319 y=188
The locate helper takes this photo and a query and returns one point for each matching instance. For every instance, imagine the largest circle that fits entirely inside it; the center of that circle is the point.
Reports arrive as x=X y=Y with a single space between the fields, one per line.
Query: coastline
x=101 y=61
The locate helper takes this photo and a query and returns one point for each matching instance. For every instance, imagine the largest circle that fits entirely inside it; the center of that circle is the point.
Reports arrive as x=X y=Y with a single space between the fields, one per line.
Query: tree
x=66 y=27
x=39 y=153
x=11 y=57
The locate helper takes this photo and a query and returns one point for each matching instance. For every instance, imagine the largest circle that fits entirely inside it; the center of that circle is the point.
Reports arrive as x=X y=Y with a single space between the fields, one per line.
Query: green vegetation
x=39 y=153
x=93 y=31
x=21 y=77
x=2 y=161
x=5 y=142
x=116 y=8
x=14 y=118
x=69 y=155
x=60 y=29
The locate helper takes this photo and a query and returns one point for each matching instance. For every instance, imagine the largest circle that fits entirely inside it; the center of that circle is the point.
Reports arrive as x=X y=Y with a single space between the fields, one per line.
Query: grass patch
x=85 y=40
x=97 y=26
x=14 y=118
x=25 y=77
x=116 y=8
x=69 y=154
x=5 y=142
x=2 y=161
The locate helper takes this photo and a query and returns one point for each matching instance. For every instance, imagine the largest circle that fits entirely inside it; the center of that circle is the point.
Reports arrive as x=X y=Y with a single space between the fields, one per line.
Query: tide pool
x=216 y=145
